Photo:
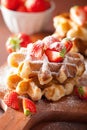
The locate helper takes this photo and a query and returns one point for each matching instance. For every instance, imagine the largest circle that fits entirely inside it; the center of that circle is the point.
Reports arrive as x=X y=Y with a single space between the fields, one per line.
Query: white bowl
x=28 y=23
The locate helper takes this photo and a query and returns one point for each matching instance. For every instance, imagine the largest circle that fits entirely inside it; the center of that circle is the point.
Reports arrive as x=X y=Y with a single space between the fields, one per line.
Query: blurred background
x=61 y=6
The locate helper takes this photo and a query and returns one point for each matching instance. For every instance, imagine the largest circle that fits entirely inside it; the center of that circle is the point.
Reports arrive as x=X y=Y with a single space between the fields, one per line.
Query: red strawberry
x=37 y=50
x=81 y=92
x=24 y=38
x=56 y=51
x=85 y=8
x=49 y=41
x=54 y=56
x=22 y=2
x=10 y=4
x=15 y=42
x=21 y=8
x=78 y=14
x=28 y=106
x=67 y=44
x=37 y=5
x=11 y=100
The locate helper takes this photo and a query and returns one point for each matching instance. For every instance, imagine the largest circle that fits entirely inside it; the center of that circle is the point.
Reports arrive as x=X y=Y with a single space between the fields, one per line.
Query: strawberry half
x=78 y=14
x=55 y=56
x=11 y=100
x=81 y=92
x=28 y=106
x=49 y=42
x=67 y=44
x=37 y=50
x=55 y=51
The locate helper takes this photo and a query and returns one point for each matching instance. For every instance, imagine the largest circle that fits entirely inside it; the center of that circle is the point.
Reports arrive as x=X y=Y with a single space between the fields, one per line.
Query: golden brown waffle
x=71 y=67
x=41 y=77
x=65 y=26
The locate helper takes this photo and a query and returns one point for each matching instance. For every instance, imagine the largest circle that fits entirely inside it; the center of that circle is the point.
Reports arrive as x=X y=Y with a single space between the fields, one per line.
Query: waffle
x=72 y=66
x=66 y=26
x=34 y=75
x=38 y=78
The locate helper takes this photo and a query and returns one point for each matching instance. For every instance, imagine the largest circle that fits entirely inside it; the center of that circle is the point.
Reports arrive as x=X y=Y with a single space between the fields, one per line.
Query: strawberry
x=10 y=4
x=81 y=92
x=25 y=39
x=11 y=100
x=54 y=56
x=16 y=41
x=37 y=50
x=67 y=44
x=37 y=5
x=48 y=42
x=28 y=106
x=57 y=50
x=78 y=15
x=21 y=8
x=22 y=2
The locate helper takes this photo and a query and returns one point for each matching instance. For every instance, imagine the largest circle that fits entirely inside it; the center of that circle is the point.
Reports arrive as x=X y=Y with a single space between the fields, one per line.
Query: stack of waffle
x=73 y=25
x=37 y=78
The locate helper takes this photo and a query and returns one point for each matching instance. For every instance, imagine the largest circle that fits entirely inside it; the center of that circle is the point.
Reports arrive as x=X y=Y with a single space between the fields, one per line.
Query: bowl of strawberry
x=27 y=16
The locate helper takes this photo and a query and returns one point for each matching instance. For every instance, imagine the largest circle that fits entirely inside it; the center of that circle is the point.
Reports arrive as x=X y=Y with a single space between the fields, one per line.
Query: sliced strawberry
x=67 y=44
x=49 y=41
x=37 y=50
x=81 y=92
x=28 y=106
x=78 y=14
x=54 y=44
x=54 y=56
x=11 y=100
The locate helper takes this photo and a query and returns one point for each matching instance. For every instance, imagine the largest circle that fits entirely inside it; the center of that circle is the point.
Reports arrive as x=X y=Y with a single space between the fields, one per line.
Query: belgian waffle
x=66 y=26
x=41 y=77
x=71 y=67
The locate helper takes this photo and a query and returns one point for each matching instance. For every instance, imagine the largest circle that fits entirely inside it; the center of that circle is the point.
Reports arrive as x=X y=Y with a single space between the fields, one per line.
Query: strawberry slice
x=67 y=44
x=54 y=56
x=81 y=92
x=49 y=42
x=11 y=100
x=28 y=106
x=78 y=15
x=37 y=50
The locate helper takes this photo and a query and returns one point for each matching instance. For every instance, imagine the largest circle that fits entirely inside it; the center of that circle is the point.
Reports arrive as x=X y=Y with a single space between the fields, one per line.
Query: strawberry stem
x=15 y=42
x=63 y=52
x=27 y=112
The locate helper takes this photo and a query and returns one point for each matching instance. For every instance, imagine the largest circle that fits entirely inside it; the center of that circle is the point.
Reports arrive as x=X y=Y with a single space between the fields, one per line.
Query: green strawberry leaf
x=63 y=52
x=27 y=112
x=80 y=90
x=15 y=43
